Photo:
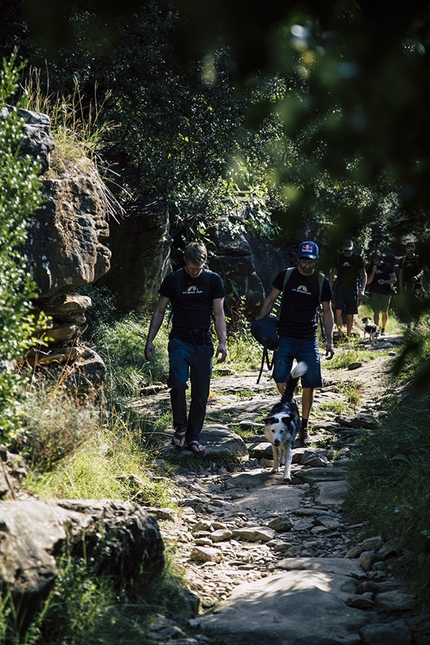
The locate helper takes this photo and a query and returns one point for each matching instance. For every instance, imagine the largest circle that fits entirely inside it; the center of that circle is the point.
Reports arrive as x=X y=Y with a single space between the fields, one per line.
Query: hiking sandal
x=195 y=447
x=178 y=439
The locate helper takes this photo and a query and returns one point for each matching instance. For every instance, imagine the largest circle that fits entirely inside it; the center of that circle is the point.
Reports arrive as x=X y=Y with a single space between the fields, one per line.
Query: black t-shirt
x=348 y=269
x=383 y=272
x=411 y=267
x=192 y=303
x=300 y=304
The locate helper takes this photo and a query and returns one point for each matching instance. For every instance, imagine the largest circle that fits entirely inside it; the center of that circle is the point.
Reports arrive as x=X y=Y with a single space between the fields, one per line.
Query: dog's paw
x=286 y=480
x=274 y=470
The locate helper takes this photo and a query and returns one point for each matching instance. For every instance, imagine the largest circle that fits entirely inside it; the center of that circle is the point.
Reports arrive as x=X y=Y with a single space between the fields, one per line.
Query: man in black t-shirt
x=196 y=294
x=350 y=284
x=380 y=279
x=410 y=283
x=298 y=326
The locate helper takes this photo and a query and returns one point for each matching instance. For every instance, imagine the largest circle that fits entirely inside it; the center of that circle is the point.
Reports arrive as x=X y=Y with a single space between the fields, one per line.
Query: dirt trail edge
x=274 y=562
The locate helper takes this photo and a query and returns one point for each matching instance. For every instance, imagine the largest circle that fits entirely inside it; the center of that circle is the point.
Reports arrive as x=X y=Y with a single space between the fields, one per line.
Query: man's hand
x=221 y=349
x=149 y=350
x=329 y=352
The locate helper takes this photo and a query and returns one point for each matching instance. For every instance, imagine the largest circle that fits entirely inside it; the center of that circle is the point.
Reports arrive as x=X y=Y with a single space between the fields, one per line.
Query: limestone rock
x=254 y=534
x=32 y=531
x=66 y=243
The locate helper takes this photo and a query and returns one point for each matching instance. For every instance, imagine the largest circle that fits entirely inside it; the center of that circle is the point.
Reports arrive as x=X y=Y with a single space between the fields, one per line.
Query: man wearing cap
x=298 y=326
x=410 y=280
x=350 y=273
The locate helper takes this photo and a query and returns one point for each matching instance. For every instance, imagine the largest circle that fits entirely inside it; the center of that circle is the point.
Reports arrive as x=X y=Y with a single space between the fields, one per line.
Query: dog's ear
x=269 y=421
x=286 y=420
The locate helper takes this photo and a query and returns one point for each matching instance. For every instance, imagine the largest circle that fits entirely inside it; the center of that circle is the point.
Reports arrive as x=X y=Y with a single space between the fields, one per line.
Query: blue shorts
x=301 y=349
x=346 y=299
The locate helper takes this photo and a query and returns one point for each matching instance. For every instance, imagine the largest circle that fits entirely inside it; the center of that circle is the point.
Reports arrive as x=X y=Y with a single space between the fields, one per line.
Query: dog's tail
x=292 y=380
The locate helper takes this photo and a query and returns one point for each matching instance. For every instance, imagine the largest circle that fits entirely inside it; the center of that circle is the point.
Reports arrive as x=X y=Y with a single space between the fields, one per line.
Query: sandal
x=195 y=447
x=178 y=439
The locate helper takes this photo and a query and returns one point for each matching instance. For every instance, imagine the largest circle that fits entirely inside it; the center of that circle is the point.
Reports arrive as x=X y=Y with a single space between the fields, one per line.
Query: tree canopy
x=323 y=104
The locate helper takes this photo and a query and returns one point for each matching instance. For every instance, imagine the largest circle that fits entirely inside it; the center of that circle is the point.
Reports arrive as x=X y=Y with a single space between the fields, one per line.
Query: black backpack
x=265 y=332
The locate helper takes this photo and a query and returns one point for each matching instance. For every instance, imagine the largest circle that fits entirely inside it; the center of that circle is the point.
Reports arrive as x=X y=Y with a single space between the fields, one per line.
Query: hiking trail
x=268 y=561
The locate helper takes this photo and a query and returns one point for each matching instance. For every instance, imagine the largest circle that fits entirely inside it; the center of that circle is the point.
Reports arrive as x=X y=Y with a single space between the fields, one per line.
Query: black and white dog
x=283 y=423
x=371 y=329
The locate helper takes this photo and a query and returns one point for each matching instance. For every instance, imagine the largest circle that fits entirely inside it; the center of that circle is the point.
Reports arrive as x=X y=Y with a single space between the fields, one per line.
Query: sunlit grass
x=343 y=358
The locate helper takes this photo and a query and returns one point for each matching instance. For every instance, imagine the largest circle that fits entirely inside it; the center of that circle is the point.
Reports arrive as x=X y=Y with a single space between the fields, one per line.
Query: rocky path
x=270 y=562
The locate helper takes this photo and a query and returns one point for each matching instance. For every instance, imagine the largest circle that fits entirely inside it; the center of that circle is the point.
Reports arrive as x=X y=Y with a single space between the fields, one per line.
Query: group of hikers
x=197 y=297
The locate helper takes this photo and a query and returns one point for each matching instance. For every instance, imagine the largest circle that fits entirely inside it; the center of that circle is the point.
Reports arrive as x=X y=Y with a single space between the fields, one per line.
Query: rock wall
x=140 y=245
x=66 y=248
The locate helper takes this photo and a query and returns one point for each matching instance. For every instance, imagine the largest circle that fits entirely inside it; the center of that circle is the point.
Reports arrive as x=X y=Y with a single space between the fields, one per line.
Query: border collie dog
x=371 y=329
x=283 y=423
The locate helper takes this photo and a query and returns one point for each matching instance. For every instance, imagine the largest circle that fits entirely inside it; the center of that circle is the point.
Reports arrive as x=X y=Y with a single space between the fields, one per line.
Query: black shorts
x=346 y=299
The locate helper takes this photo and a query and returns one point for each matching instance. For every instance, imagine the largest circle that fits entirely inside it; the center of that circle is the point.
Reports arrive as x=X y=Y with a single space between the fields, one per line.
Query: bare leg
x=307 y=401
x=338 y=317
x=349 y=323
x=384 y=319
x=376 y=317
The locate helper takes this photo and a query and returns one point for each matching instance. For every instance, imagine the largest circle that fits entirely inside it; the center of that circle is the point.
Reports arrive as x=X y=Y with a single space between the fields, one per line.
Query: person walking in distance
x=411 y=271
x=196 y=295
x=380 y=279
x=350 y=284
x=302 y=294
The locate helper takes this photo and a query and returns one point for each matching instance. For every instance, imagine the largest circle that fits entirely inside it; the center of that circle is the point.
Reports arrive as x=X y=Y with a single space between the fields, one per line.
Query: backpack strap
x=269 y=363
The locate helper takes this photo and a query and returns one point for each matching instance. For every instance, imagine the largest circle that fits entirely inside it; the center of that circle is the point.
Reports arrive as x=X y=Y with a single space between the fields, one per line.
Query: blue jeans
x=301 y=349
x=194 y=362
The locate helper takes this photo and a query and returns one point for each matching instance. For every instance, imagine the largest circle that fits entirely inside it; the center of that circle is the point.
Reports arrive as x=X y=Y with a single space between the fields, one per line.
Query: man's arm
x=267 y=305
x=363 y=276
x=221 y=328
x=328 y=322
x=401 y=274
x=332 y=276
x=392 y=279
x=371 y=274
x=156 y=320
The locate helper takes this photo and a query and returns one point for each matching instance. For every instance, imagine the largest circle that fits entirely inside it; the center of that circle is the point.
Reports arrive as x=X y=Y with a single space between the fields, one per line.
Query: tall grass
x=77 y=122
x=388 y=486
x=122 y=346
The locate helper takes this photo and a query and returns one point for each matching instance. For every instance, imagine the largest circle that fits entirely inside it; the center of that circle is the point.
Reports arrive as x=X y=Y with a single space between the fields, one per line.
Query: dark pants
x=195 y=362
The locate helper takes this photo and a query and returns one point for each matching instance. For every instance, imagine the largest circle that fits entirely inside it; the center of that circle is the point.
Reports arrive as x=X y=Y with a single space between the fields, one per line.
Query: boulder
x=67 y=234
x=123 y=539
x=36 y=140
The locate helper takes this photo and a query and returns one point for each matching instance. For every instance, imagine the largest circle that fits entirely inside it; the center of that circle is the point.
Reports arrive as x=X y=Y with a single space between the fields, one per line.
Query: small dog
x=283 y=423
x=371 y=329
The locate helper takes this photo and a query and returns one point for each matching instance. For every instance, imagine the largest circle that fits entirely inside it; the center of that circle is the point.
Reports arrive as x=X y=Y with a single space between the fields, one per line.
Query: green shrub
x=54 y=426
x=20 y=196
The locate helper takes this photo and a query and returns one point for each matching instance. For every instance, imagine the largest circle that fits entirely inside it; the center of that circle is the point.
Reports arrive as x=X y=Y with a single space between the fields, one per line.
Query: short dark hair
x=196 y=253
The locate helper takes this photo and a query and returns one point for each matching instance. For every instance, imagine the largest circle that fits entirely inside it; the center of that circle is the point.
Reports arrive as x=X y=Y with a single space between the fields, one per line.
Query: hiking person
x=380 y=279
x=298 y=326
x=411 y=271
x=196 y=294
x=348 y=280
